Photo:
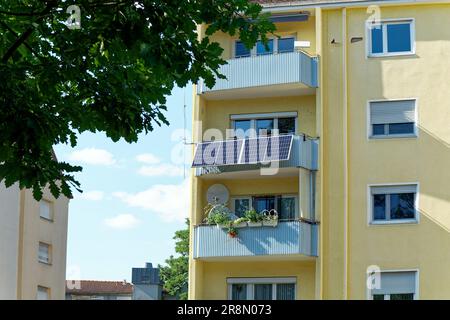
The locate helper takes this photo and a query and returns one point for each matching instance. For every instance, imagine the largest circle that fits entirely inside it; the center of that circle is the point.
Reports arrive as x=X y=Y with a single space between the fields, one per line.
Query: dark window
x=238 y=291
x=377 y=39
x=402 y=296
x=286 y=208
x=286 y=125
x=261 y=48
x=378 y=297
x=378 y=129
x=399 y=37
x=264 y=126
x=402 y=206
x=285 y=291
x=379 y=207
x=286 y=45
x=401 y=128
x=242 y=128
x=263 y=292
x=241 y=50
x=240 y=206
x=263 y=203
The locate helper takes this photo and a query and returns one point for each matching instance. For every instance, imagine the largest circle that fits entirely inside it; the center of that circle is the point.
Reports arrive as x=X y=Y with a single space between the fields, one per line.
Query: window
x=274 y=45
x=396 y=118
x=396 y=285
x=391 y=38
x=46 y=209
x=251 y=125
x=285 y=205
x=44 y=253
x=390 y=204
x=261 y=288
x=43 y=293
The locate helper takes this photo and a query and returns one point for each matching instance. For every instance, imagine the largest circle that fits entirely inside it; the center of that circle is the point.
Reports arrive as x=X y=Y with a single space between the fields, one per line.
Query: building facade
x=354 y=95
x=98 y=290
x=33 y=241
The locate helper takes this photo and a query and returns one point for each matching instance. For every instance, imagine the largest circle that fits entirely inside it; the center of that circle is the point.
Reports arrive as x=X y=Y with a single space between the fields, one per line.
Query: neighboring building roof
x=88 y=287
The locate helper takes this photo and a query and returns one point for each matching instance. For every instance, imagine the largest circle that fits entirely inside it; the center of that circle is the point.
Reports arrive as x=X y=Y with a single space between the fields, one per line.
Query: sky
x=135 y=196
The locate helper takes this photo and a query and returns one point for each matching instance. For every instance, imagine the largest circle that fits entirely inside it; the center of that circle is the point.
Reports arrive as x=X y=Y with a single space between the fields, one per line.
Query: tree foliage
x=175 y=273
x=111 y=75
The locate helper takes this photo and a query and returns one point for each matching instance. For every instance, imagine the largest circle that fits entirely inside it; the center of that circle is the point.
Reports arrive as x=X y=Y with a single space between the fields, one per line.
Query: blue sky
x=135 y=197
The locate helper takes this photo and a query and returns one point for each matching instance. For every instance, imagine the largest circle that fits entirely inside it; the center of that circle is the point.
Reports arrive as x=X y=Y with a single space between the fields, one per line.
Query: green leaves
x=112 y=75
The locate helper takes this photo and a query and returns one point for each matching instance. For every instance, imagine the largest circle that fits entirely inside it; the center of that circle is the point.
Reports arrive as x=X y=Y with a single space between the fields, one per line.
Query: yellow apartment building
x=33 y=241
x=337 y=134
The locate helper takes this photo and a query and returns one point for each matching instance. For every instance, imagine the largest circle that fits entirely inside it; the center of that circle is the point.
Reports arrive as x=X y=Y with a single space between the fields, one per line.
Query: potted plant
x=232 y=232
x=254 y=218
x=220 y=216
x=270 y=218
x=240 y=222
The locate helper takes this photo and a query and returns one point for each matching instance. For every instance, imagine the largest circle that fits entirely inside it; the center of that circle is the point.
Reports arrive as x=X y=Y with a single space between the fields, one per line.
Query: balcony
x=304 y=153
x=293 y=73
x=291 y=239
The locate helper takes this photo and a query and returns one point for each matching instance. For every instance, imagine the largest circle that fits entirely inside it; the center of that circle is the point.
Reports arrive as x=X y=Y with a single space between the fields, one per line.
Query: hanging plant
x=232 y=232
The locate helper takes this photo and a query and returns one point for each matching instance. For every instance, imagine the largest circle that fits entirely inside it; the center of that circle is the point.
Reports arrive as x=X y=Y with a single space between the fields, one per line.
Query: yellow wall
x=215 y=275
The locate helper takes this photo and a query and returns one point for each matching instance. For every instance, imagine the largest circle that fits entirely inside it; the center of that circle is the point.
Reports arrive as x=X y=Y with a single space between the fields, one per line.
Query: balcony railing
x=287 y=238
x=265 y=70
x=304 y=154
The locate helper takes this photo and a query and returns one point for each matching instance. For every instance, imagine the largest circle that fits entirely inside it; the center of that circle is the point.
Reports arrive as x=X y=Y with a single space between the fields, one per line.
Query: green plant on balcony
x=254 y=218
x=240 y=222
x=219 y=215
x=232 y=231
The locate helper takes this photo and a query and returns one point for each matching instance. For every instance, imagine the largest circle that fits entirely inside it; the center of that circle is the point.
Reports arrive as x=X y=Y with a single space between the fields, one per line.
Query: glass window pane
x=379 y=207
x=402 y=206
x=377 y=39
x=263 y=203
x=263 y=292
x=287 y=210
x=402 y=296
x=286 y=125
x=286 y=45
x=264 y=126
x=241 y=50
x=286 y=291
x=242 y=128
x=45 y=209
x=238 y=291
x=261 y=48
x=240 y=206
x=401 y=128
x=377 y=129
x=378 y=297
x=399 y=37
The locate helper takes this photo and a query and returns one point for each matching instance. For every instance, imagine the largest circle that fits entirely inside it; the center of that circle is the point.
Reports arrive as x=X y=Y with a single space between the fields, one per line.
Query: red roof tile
x=99 y=287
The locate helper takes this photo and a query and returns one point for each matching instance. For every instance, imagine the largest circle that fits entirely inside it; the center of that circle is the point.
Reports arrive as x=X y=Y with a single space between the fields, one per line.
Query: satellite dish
x=217 y=193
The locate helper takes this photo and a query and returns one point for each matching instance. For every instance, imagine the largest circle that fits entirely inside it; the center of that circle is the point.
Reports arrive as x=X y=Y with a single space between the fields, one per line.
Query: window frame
x=250 y=198
x=250 y=282
x=384 y=23
x=253 y=51
x=372 y=222
x=47 y=290
x=51 y=210
x=369 y=294
x=49 y=253
x=253 y=117
x=369 y=130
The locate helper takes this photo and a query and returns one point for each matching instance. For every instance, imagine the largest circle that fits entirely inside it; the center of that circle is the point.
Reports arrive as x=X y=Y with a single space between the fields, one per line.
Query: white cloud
x=148 y=158
x=92 y=195
x=169 y=201
x=164 y=169
x=122 y=221
x=93 y=156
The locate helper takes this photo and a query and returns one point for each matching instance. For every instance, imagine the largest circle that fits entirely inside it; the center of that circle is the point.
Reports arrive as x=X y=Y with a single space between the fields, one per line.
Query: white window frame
x=49 y=253
x=250 y=282
x=369 y=295
x=50 y=208
x=42 y=288
x=372 y=222
x=253 y=52
x=250 y=198
x=415 y=134
x=384 y=23
x=261 y=116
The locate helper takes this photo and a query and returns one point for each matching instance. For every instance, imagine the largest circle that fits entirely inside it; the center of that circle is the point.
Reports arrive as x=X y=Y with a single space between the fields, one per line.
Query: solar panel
x=243 y=151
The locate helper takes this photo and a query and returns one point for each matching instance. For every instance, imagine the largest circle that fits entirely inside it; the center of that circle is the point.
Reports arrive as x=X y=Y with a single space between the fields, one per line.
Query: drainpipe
x=345 y=144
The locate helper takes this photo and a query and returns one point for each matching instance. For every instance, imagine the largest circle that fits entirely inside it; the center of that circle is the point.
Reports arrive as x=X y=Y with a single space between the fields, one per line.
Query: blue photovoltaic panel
x=218 y=153
x=243 y=151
